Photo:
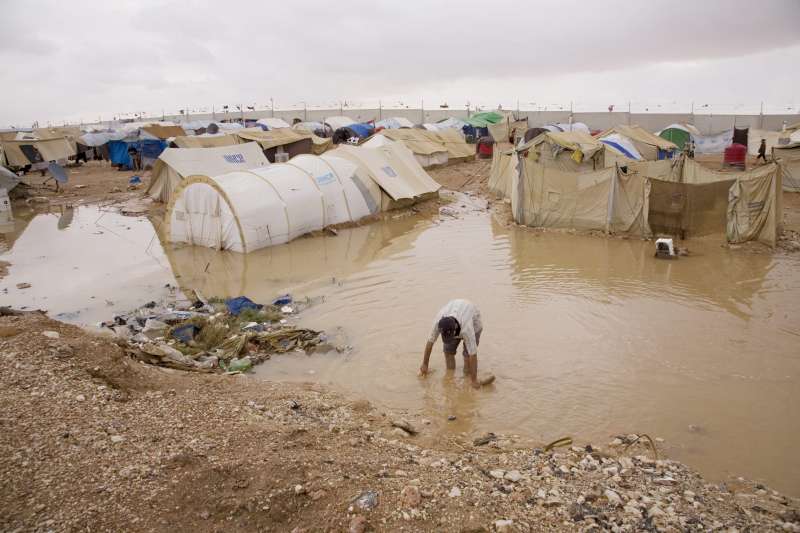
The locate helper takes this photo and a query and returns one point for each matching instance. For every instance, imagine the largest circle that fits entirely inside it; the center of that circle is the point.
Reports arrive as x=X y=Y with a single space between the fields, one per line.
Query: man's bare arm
x=426 y=357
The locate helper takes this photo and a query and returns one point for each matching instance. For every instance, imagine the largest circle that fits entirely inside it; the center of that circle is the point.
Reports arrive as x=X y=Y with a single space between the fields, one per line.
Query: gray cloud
x=109 y=57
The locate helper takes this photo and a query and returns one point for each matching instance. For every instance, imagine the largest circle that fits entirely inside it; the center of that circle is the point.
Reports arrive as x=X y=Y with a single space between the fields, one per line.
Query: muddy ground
x=93 y=440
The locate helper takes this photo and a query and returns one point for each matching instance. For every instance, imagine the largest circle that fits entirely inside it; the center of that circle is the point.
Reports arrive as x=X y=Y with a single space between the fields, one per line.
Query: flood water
x=588 y=337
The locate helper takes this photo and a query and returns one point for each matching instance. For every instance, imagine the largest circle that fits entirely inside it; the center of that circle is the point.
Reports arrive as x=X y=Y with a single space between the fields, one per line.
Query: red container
x=735 y=155
x=485 y=148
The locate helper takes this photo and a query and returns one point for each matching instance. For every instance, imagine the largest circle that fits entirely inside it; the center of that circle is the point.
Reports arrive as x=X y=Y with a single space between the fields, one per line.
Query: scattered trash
x=135 y=180
x=240 y=303
x=451 y=418
x=23 y=285
x=367 y=500
x=282 y=300
x=185 y=333
x=240 y=365
x=563 y=441
x=153 y=324
x=189 y=332
x=51 y=334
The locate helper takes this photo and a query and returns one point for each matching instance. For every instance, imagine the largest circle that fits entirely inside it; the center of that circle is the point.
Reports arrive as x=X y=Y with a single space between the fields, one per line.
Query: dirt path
x=92 y=182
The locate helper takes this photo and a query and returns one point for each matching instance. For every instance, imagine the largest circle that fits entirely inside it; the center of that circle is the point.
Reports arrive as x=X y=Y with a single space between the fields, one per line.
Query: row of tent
x=261 y=204
x=572 y=180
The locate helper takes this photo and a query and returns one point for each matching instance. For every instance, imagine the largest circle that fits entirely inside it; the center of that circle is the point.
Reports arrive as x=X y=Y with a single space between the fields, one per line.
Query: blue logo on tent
x=325 y=179
x=389 y=171
x=234 y=158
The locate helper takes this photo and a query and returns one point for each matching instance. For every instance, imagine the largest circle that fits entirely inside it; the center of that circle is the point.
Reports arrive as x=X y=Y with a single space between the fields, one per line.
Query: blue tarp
x=118 y=154
x=620 y=148
x=151 y=148
x=363 y=130
x=240 y=303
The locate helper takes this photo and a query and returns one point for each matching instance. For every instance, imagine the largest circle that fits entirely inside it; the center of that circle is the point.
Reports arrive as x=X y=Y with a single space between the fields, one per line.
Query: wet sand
x=588 y=337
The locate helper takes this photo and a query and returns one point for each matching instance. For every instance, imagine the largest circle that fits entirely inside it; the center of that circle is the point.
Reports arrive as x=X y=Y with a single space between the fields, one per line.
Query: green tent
x=676 y=136
x=483 y=119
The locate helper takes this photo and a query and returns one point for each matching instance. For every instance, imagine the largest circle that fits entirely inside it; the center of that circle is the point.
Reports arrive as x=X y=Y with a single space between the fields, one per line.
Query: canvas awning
x=163 y=132
x=50 y=149
x=176 y=164
x=393 y=167
x=204 y=141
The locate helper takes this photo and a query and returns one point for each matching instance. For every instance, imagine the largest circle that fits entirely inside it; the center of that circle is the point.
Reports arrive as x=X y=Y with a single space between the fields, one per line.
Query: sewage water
x=588 y=337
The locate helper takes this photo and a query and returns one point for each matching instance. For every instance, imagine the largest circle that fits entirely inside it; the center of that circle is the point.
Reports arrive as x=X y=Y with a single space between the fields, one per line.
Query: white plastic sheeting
x=713 y=144
x=273 y=123
x=101 y=138
x=339 y=122
x=309 y=126
x=448 y=123
x=394 y=123
x=565 y=126
x=622 y=141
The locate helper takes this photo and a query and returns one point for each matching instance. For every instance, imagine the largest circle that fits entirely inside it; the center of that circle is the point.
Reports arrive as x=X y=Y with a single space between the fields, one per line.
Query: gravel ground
x=92 y=440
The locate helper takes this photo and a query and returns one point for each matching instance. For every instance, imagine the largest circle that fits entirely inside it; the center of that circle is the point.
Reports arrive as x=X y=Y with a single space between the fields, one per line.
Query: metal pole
x=762 y=116
x=272 y=107
x=422 y=110
x=380 y=110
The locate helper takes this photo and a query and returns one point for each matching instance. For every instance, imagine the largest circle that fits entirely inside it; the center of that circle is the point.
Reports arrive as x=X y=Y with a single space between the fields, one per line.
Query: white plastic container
x=5 y=208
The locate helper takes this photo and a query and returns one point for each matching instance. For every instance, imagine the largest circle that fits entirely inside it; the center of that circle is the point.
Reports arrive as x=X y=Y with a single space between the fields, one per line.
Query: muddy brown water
x=588 y=337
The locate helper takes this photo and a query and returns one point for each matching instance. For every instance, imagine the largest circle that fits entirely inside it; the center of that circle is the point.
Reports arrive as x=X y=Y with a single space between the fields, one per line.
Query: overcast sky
x=85 y=59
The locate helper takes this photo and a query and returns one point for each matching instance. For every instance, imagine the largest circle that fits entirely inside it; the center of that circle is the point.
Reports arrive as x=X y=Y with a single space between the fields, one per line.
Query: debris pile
x=215 y=335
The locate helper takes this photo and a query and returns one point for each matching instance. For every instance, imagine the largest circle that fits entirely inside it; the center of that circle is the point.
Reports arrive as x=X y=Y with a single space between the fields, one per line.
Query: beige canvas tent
x=427 y=151
x=681 y=198
x=56 y=149
x=204 y=141
x=508 y=129
x=294 y=142
x=433 y=147
x=788 y=157
x=176 y=164
x=457 y=147
x=162 y=132
x=394 y=169
x=72 y=134
x=565 y=150
x=501 y=174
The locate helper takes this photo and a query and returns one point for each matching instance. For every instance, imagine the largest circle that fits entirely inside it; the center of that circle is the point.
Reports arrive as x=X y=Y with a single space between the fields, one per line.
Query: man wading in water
x=458 y=320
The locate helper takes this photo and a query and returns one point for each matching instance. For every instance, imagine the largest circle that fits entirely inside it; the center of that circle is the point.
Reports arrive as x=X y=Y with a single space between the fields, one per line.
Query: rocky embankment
x=94 y=440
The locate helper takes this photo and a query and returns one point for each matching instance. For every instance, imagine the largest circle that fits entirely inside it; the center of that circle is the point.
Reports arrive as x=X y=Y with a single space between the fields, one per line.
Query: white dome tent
x=342 y=199
x=243 y=211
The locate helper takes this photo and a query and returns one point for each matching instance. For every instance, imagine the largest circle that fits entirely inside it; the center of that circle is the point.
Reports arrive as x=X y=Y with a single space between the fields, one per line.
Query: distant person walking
x=459 y=320
x=762 y=151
